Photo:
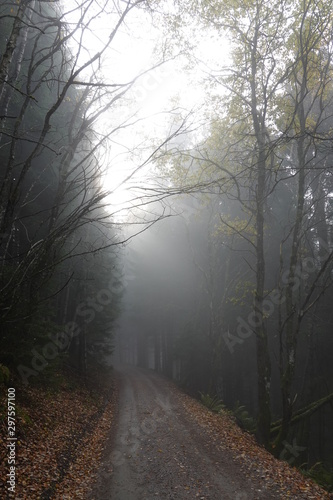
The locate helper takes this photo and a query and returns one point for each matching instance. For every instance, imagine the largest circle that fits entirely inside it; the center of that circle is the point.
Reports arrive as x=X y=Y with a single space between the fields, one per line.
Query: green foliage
x=4 y=375
x=243 y=418
x=243 y=293
x=52 y=376
x=320 y=474
x=211 y=402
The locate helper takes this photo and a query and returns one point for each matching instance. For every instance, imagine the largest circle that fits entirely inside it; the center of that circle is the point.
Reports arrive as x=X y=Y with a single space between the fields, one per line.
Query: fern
x=211 y=402
x=243 y=418
x=321 y=474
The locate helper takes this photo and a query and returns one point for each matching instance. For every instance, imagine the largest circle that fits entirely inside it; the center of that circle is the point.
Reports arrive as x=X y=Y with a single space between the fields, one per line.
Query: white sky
x=131 y=53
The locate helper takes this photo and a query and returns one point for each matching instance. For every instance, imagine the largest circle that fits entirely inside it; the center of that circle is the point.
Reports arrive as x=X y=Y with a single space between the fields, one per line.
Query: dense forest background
x=227 y=284
x=62 y=116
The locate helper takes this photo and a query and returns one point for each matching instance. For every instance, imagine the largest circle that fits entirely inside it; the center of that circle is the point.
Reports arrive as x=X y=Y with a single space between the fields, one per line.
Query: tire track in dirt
x=157 y=452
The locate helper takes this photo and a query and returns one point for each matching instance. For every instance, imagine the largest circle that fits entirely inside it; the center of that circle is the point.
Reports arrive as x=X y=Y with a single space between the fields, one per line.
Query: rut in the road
x=157 y=451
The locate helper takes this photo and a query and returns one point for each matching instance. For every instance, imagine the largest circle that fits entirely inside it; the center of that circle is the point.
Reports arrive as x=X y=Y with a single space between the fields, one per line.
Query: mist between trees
x=245 y=328
x=61 y=117
x=226 y=284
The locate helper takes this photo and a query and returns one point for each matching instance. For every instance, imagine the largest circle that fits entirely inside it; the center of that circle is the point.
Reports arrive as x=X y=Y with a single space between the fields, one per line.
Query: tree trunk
x=15 y=69
x=263 y=358
x=7 y=57
x=260 y=158
x=292 y=322
x=303 y=413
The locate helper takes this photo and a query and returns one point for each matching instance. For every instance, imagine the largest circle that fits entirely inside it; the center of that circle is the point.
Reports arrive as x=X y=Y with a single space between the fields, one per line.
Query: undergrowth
x=211 y=402
x=320 y=474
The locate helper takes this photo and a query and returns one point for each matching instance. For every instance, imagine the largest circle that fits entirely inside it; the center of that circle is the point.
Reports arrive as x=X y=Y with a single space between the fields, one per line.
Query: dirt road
x=159 y=452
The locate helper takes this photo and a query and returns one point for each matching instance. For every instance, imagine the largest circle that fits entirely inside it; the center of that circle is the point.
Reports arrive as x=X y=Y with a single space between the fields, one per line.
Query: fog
x=189 y=283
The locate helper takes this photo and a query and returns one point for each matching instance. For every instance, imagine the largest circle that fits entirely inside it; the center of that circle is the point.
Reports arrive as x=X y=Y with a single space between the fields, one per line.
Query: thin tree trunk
x=7 y=56
x=292 y=323
x=15 y=69
x=263 y=357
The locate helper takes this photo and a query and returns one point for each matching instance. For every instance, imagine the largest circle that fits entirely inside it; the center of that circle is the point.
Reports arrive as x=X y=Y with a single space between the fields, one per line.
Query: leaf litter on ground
x=61 y=438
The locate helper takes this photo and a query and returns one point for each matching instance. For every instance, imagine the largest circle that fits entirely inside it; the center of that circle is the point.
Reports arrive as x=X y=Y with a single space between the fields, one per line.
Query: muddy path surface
x=157 y=451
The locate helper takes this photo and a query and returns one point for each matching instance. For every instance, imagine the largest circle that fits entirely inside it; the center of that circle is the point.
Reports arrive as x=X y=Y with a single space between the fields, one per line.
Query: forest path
x=158 y=451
